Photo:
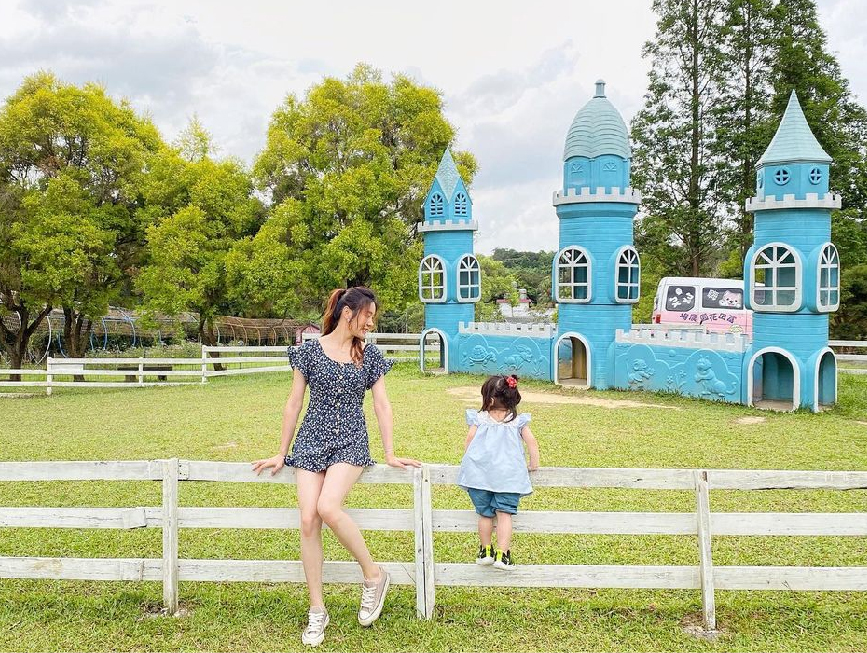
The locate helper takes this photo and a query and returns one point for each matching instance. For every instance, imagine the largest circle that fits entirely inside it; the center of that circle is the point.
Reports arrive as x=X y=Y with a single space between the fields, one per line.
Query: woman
x=332 y=449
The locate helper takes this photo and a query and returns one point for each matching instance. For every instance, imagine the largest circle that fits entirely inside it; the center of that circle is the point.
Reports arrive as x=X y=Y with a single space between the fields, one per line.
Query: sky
x=512 y=73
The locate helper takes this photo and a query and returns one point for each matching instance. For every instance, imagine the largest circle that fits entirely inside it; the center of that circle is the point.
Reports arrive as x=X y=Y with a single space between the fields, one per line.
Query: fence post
x=141 y=371
x=425 y=592
x=170 y=535
x=704 y=550
x=48 y=377
x=204 y=363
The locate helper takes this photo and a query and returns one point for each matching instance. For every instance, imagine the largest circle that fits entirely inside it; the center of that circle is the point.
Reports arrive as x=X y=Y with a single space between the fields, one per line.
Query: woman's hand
x=393 y=461
x=276 y=462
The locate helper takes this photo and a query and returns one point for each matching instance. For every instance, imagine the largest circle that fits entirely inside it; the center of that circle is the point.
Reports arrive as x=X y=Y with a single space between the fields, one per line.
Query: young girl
x=331 y=449
x=493 y=469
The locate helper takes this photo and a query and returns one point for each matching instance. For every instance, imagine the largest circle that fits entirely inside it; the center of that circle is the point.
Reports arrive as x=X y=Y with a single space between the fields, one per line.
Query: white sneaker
x=373 y=598
x=314 y=634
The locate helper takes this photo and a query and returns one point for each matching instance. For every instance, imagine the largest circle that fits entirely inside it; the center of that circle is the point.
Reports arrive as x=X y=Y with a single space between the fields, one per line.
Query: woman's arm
x=385 y=419
x=532 y=447
x=470 y=435
x=290 y=418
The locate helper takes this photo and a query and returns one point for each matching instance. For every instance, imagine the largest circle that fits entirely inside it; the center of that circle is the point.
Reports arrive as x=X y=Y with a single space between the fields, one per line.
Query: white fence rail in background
x=422 y=520
x=131 y=372
x=120 y=372
x=860 y=359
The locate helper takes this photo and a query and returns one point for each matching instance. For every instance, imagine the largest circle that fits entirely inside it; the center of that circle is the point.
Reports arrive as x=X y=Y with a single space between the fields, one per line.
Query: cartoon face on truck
x=715 y=304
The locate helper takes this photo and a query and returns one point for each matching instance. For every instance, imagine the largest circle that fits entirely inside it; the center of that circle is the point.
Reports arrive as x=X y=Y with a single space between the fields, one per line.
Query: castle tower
x=596 y=272
x=449 y=275
x=792 y=272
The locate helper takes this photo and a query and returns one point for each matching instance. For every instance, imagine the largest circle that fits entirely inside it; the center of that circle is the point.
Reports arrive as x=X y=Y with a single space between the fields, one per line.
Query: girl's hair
x=356 y=299
x=497 y=392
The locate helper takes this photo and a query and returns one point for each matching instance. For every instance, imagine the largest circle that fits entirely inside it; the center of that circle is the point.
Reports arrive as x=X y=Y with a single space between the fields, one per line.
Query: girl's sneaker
x=503 y=560
x=314 y=634
x=485 y=555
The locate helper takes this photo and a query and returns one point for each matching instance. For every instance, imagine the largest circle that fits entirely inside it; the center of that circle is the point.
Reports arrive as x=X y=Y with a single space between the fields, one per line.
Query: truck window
x=730 y=298
x=680 y=298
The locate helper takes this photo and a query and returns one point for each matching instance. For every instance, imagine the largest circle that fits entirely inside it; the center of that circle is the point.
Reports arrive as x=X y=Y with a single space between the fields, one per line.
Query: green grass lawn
x=238 y=419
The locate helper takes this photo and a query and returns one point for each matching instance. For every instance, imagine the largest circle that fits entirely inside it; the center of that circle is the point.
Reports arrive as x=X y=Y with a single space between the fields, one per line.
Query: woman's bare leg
x=339 y=479
x=309 y=488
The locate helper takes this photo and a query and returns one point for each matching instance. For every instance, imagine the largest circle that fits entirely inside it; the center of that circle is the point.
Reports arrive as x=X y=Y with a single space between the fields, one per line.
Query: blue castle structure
x=792 y=280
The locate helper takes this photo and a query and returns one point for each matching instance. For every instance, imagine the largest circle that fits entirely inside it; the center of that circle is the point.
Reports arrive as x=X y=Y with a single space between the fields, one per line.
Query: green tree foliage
x=72 y=162
x=532 y=270
x=497 y=283
x=672 y=137
x=198 y=211
x=347 y=169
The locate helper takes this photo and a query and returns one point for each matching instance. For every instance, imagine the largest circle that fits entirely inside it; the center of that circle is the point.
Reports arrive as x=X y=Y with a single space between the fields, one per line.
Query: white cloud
x=512 y=74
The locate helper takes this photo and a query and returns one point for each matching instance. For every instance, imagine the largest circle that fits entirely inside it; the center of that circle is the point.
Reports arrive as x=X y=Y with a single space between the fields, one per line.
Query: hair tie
x=511 y=381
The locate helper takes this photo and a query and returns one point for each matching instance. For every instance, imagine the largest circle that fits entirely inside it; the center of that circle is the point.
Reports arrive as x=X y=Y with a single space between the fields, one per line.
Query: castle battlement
x=733 y=342
x=508 y=329
x=572 y=196
x=449 y=225
x=811 y=201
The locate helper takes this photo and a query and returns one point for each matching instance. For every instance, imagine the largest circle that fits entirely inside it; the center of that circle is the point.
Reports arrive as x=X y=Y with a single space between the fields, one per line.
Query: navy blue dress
x=334 y=430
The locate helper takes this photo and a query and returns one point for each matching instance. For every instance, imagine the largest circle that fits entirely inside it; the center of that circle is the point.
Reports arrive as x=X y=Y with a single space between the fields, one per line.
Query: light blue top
x=794 y=140
x=495 y=459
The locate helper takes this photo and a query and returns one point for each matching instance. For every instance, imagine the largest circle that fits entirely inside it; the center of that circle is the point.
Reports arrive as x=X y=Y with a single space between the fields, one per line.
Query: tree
x=674 y=162
x=198 y=209
x=497 y=283
x=71 y=164
x=743 y=118
x=347 y=169
x=532 y=270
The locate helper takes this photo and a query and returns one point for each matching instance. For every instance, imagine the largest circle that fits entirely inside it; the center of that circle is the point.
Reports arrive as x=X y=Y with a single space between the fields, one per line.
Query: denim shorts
x=487 y=503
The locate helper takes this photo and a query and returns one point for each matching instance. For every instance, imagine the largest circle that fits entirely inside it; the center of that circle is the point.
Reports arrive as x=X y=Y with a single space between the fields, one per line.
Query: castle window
x=776 y=273
x=815 y=176
x=460 y=204
x=432 y=279
x=573 y=275
x=627 y=276
x=782 y=176
x=469 y=279
x=829 y=279
x=437 y=205
x=760 y=181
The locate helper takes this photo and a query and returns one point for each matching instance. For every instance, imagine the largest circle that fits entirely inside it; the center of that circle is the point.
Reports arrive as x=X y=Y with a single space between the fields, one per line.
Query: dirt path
x=471 y=393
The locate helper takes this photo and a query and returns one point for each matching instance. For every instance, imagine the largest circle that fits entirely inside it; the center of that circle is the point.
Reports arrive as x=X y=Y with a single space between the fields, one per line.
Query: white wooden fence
x=122 y=372
x=861 y=359
x=424 y=572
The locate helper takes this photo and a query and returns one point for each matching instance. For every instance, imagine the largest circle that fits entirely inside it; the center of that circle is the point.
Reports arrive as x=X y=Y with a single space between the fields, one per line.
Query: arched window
x=829 y=280
x=432 y=279
x=437 y=205
x=573 y=275
x=778 y=268
x=469 y=279
x=627 y=285
x=460 y=204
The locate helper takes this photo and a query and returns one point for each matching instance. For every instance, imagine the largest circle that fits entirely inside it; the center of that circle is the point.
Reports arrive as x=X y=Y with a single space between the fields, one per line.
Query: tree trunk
x=15 y=342
x=208 y=337
x=76 y=331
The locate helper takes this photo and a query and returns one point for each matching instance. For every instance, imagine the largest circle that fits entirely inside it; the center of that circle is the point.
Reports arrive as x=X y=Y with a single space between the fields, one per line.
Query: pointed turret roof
x=794 y=141
x=447 y=174
x=597 y=129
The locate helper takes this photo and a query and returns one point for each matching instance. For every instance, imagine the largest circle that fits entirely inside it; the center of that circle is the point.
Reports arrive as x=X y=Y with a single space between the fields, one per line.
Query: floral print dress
x=334 y=429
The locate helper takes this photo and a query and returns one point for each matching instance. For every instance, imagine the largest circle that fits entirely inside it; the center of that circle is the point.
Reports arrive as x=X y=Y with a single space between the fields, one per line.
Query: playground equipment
x=791 y=284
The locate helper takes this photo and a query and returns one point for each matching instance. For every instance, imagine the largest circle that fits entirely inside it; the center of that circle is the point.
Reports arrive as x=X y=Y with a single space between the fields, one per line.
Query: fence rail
x=423 y=521
x=216 y=361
